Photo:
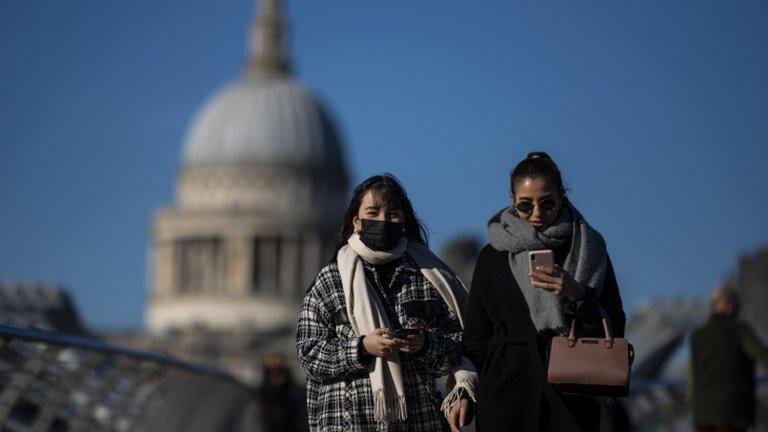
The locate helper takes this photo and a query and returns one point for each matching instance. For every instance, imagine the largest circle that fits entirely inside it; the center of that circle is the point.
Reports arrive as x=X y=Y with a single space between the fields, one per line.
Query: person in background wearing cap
x=721 y=377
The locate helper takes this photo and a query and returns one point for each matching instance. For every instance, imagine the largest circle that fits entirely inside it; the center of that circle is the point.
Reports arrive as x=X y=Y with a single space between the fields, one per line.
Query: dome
x=269 y=119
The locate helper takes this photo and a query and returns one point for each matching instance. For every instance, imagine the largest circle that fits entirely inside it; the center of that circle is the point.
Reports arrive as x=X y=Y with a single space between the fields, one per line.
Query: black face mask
x=381 y=235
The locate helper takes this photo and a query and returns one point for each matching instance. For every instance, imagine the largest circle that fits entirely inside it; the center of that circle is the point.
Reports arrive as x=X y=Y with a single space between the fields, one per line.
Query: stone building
x=750 y=280
x=460 y=253
x=259 y=194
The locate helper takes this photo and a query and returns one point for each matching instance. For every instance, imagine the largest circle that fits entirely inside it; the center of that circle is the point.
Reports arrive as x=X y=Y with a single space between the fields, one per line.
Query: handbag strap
x=608 y=333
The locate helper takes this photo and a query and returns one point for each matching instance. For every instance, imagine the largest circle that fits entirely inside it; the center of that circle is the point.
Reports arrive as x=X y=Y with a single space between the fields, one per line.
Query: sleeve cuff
x=577 y=307
x=353 y=355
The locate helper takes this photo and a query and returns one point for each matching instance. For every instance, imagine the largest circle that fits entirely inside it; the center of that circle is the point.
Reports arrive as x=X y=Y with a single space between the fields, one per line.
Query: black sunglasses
x=545 y=206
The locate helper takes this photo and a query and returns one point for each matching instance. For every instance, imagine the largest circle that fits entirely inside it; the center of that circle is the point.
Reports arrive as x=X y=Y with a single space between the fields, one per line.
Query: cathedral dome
x=267 y=119
x=260 y=191
x=264 y=118
x=263 y=143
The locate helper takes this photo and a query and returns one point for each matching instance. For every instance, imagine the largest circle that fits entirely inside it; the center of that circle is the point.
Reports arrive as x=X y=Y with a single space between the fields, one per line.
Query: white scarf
x=366 y=313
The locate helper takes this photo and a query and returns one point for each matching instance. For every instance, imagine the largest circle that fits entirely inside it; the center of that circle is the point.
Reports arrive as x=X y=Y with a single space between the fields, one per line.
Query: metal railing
x=59 y=382
x=663 y=405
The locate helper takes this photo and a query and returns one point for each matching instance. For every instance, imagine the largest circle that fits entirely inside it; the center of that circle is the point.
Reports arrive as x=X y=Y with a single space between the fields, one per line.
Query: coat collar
x=403 y=264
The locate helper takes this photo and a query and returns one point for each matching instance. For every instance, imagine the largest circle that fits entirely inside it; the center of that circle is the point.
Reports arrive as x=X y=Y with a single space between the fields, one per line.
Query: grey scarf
x=586 y=260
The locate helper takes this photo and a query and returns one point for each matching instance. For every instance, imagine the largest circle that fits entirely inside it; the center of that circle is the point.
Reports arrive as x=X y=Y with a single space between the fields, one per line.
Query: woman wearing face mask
x=381 y=322
x=513 y=312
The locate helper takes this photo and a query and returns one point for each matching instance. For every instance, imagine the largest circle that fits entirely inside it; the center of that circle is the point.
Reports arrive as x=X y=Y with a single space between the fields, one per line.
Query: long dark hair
x=387 y=189
x=538 y=165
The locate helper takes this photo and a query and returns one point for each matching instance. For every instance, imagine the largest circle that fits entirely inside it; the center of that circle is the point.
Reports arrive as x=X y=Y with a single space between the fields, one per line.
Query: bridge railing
x=58 y=382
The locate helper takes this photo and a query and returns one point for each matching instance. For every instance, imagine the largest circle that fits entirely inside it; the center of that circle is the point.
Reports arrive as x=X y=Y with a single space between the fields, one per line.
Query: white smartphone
x=541 y=258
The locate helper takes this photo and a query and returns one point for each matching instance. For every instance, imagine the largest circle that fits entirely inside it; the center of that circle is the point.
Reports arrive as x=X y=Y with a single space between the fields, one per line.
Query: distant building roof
x=265 y=116
x=42 y=306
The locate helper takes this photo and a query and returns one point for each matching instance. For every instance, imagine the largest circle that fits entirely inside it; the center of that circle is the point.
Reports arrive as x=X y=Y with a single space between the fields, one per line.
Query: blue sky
x=657 y=113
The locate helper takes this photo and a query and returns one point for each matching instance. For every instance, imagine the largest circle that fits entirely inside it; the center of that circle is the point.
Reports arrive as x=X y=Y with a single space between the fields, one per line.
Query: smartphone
x=402 y=333
x=541 y=258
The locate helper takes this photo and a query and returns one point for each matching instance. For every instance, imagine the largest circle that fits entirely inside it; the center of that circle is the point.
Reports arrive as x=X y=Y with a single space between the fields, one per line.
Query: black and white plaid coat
x=339 y=396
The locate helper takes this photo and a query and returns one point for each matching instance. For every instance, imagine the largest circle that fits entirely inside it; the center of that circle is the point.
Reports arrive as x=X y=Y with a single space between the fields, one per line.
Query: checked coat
x=339 y=396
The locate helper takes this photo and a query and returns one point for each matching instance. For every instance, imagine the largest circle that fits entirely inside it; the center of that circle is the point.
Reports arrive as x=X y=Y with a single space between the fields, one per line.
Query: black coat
x=502 y=342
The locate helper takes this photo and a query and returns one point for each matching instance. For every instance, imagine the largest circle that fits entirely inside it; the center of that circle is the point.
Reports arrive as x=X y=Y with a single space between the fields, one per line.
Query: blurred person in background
x=282 y=401
x=513 y=313
x=381 y=322
x=721 y=378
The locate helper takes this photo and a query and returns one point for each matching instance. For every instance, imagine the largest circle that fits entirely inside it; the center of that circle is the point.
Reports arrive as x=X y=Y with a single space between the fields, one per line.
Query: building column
x=268 y=265
x=313 y=260
x=289 y=274
x=239 y=274
x=164 y=284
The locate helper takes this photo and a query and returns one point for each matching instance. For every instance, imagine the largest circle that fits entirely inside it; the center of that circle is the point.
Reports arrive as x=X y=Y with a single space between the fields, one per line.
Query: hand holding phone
x=410 y=340
x=544 y=259
x=405 y=332
x=552 y=278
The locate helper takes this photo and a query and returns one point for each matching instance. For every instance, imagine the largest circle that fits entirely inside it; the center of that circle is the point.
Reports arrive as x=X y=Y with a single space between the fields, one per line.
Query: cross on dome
x=267 y=48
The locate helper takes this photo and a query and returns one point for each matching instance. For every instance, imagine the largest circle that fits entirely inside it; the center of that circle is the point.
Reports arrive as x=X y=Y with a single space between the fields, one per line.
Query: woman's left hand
x=558 y=281
x=460 y=415
x=411 y=343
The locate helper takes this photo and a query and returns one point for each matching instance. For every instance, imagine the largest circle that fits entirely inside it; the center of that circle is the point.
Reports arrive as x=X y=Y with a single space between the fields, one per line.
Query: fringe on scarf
x=388 y=410
x=465 y=378
x=454 y=397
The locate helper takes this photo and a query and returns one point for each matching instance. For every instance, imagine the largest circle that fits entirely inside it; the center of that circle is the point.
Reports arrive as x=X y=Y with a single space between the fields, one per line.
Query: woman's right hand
x=377 y=345
x=460 y=415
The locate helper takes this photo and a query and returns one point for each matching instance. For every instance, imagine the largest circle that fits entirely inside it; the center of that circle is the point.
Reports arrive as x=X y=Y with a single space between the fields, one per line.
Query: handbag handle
x=608 y=339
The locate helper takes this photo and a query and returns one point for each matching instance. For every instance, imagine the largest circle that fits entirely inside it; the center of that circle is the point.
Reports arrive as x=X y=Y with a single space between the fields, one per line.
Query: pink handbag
x=590 y=366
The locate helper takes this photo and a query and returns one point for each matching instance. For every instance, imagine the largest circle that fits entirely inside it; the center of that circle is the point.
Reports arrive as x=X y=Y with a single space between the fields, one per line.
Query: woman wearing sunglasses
x=381 y=322
x=514 y=312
